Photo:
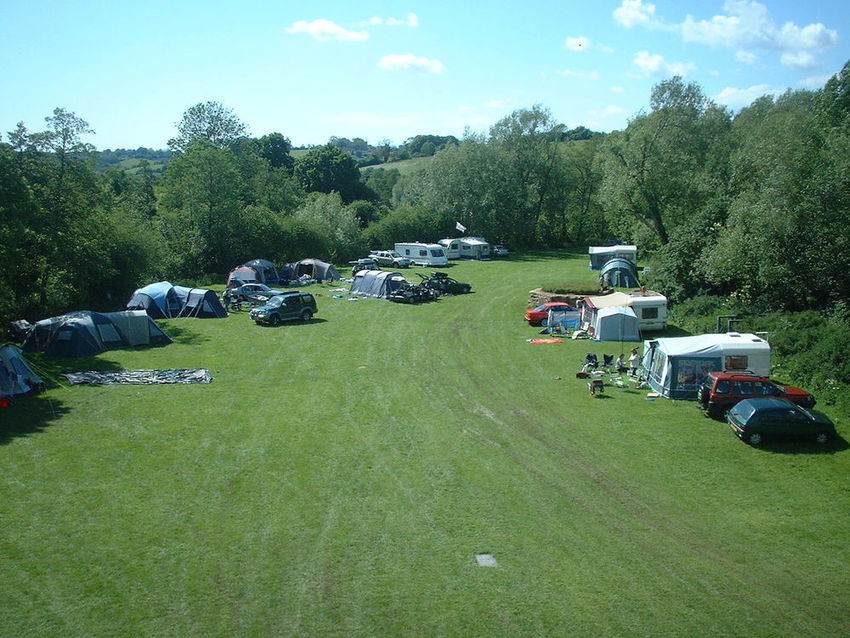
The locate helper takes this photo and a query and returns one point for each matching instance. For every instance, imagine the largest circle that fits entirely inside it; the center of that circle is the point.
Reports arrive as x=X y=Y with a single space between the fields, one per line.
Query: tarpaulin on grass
x=139 y=377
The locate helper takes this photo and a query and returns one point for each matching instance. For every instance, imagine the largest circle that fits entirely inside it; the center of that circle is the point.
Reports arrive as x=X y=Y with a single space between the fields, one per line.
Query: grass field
x=338 y=478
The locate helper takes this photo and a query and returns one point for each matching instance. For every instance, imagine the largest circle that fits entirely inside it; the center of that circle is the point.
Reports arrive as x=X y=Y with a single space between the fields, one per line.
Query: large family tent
x=266 y=270
x=164 y=300
x=619 y=272
x=616 y=323
x=85 y=333
x=376 y=283
x=600 y=255
x=676 y=367
x=16 y=375
x=315 y=268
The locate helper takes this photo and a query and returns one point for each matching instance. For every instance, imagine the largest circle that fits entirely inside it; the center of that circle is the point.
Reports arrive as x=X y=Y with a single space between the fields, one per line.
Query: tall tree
x=326 y=169
x=208 y=121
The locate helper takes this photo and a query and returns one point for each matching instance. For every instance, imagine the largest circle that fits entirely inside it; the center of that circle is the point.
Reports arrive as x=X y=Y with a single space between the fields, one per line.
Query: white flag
x=460 y=227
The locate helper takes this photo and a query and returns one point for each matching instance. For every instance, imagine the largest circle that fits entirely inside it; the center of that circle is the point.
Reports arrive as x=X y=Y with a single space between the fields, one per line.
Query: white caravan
x=423 y=254
x=466 y=248
x=650 y=307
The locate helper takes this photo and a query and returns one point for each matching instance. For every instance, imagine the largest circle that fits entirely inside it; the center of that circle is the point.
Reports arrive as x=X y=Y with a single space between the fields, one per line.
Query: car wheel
x=274 y=320
x=306 y=315
x=718 y=413
x=821 y=438
x=755 y=438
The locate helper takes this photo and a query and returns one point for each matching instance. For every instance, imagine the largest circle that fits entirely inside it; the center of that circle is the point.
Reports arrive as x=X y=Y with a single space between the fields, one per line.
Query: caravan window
x=437 y=252
x=465 y=247
x=423 y=253
x=649 y=313
x=738 y=362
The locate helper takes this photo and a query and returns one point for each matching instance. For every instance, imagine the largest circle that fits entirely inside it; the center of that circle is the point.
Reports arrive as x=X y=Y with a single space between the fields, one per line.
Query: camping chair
x=590 y=362
x=596 y=385
x=607 y=361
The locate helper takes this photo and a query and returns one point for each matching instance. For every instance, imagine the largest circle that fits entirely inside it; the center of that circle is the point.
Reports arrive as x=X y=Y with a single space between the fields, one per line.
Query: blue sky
x=392 y=70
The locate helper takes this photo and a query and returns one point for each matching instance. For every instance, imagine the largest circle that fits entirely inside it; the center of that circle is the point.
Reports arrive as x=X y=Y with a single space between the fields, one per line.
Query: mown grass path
x=338 y=478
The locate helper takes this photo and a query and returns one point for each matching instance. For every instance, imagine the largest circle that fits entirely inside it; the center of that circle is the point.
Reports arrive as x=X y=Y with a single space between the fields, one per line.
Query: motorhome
x=423 y=254
x=466 y=248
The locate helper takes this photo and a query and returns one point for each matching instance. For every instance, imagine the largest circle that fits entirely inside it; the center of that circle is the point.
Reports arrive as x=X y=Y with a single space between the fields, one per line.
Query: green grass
x=338 y=478
x=405 y=167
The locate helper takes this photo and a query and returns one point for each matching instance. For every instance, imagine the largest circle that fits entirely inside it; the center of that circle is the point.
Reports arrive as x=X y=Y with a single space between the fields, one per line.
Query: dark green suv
x=286 y=307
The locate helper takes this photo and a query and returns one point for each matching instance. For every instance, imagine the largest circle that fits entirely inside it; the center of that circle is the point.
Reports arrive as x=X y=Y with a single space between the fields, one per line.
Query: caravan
x=466 y=248
x=423 y=254
x=676 y=367
x=650 y=307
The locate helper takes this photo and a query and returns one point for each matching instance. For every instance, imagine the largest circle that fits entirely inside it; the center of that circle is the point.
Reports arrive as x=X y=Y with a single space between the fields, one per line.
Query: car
x=499 y=251
x=253 y=291
x=412 y=293
x=442 y=284
x=755 y=420
x=537 y=315
x=722 y=390
x=289 y=306
x=390 y=258
x=367 y=263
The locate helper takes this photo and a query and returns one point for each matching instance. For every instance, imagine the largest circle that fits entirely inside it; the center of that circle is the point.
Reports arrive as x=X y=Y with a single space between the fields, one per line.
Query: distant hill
x=131 y=159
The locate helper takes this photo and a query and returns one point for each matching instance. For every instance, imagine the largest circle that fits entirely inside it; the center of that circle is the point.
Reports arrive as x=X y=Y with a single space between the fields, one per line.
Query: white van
x=423 y=254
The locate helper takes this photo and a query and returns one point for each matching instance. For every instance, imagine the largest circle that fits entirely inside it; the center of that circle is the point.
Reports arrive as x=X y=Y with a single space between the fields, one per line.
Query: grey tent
x=266 y=271
x=16 y=375
x=85 y=333
x=315 y=268
x=165 y=300
x=619 y=272
x=376 y=283
x=616 y=323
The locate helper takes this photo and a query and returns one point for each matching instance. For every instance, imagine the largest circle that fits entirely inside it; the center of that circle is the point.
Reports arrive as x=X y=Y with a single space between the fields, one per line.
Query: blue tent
x=619 y=273
x=85 y=333
x=616 y=323
x=164 y=300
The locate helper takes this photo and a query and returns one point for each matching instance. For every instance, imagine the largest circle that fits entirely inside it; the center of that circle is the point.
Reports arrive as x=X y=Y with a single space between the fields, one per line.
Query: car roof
x=768 y=403
x=748 y=376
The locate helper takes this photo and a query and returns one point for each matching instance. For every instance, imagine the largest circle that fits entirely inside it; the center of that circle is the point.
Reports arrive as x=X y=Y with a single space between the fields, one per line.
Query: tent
x=619 y=272
x=616 y=323
x=165 y=300
x=376 y=283
x=85 y=333
x=315 y=268
x=16 y=375
x=561 y=320
x=676 y=367
x=265 y=270
x=599 y=255
x=242 y=275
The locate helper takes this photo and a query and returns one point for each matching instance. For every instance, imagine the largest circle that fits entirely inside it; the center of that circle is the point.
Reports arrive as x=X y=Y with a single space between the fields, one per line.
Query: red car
x=722 y=390
x=536 y=316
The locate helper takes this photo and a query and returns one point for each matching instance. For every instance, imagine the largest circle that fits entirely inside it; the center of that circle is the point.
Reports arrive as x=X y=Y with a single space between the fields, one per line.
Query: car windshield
x=263 y=287
x=275 y=302
x=541 y=307
x=744 y=409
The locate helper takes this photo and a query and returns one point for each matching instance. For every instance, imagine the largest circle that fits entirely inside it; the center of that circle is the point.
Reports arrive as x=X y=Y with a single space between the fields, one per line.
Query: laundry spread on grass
x=139 y=377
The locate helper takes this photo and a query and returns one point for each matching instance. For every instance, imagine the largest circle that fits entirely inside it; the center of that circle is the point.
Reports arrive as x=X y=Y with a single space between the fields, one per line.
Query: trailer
x=466 y=248
x=423 y=254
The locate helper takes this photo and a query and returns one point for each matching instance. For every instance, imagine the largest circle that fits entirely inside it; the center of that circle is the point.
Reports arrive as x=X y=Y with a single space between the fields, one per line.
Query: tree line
x=747 y=206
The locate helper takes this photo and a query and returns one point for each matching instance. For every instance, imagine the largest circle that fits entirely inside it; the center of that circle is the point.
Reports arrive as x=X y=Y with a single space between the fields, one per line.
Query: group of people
x=619 y=365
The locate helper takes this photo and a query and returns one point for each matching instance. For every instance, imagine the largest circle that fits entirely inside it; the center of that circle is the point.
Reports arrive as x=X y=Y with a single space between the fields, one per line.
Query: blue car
x=755 y=420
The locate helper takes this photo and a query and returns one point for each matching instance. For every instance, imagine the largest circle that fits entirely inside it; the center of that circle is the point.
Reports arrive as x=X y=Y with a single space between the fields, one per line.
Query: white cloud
x=321 y=29
x=586 y=75
x=412 y=20
x=408 y=61
x=737 y=98
x=814 y=82
x=747 y=25
x=612 y=109
x=799 y=60
x=747 y=57
x=655 y=64
x=616 y=89
x=634 y=12
x=578 y=43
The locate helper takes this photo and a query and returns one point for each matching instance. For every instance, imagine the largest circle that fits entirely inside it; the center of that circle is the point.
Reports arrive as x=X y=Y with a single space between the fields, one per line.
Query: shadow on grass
x=29 y=415
x=185 y=335
x=544 y=255
x=804 y=446
x=294 y=324
x=669 y=331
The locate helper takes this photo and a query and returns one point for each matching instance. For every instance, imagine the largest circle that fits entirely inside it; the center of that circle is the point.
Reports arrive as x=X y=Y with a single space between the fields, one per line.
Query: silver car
x=390 y=258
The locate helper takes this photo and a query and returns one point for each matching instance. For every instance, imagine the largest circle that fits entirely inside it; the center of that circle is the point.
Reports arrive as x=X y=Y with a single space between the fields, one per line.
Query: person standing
x=633 y=362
